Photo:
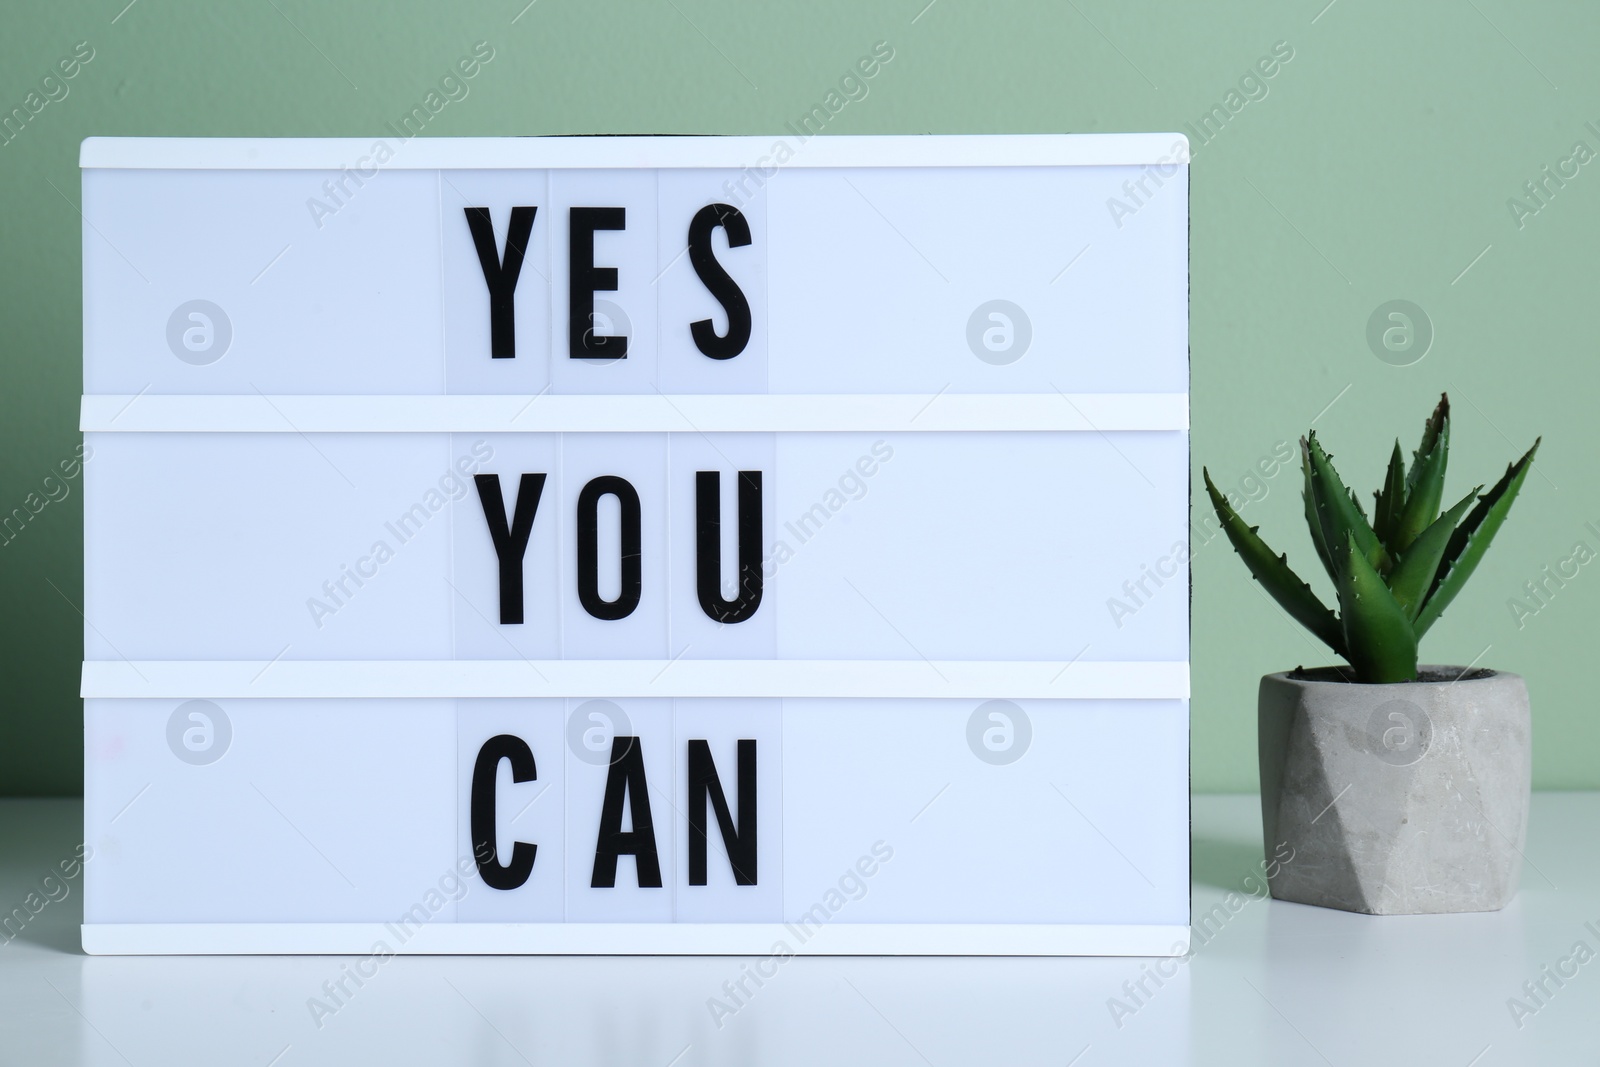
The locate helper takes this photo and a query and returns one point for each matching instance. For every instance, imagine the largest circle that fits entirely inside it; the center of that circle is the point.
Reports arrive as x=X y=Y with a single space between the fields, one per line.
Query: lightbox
x=636 y=545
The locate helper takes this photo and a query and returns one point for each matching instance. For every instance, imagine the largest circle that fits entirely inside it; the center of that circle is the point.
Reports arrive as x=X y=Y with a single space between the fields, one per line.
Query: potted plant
x=1400 y=789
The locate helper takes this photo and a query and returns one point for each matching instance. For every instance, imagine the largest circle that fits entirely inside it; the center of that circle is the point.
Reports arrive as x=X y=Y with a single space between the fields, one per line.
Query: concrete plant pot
x=1395 y=799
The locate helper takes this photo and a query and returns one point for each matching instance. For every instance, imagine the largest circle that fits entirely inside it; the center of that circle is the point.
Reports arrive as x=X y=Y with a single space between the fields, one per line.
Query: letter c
x=516 y=751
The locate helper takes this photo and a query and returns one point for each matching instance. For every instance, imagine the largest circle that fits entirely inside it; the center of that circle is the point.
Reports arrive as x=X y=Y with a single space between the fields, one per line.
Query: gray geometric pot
x=1398 y=799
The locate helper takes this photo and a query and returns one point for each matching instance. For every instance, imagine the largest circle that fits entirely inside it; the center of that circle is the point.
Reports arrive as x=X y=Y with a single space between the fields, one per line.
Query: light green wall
x=1377 y=166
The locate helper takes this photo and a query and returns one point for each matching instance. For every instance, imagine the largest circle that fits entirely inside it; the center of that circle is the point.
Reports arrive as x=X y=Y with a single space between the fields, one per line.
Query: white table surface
x=1274 y=984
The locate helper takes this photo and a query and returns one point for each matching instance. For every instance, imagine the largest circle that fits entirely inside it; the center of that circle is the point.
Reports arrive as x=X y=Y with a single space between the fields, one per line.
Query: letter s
x=715 y=278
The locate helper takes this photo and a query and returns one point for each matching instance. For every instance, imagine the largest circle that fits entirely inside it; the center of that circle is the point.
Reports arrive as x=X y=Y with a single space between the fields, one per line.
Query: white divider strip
x=653 y=413
x=683 y=939
x=975 y=679
x=763 y=152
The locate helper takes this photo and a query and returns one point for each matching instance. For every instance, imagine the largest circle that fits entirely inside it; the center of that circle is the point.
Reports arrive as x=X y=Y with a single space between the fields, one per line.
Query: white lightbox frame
x=1082 y=412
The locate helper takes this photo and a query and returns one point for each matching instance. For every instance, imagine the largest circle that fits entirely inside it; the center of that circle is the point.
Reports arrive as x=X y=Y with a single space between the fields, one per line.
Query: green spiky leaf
x=1391 y=500
x=1379 y=640
x=1413 y=576
x=1430 y=437
x=1273 y=572
x=1337 y=513
x=1471 y=540
x=1313 y=523
x=1425 y=481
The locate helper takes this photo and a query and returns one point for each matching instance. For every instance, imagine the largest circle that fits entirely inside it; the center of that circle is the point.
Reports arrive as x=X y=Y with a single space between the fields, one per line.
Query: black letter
x=510 y=544
x=708 y=546
x=501 y=275
x=589 y=548
x=741 y=843
x=584 y=278
x=515 y=751
x=717 y=282
x=626 y=775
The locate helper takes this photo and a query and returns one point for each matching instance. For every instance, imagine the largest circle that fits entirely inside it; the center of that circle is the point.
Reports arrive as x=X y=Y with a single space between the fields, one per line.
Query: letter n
x=704 y=786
